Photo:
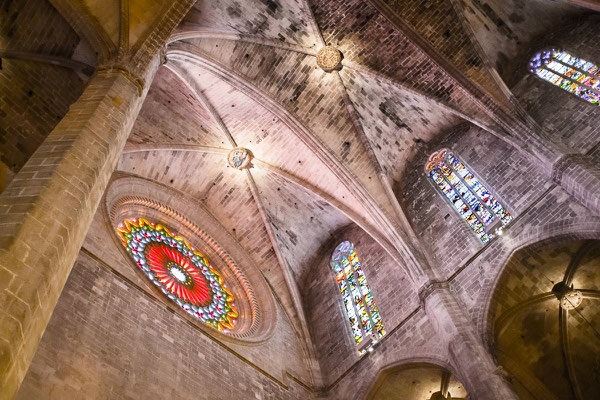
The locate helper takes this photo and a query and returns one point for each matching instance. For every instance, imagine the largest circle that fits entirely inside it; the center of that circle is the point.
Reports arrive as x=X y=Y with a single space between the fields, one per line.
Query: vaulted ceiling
x=328 y=147
x=552 y=353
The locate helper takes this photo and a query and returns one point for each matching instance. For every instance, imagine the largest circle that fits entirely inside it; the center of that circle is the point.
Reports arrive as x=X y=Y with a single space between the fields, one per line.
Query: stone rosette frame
x=135 y=197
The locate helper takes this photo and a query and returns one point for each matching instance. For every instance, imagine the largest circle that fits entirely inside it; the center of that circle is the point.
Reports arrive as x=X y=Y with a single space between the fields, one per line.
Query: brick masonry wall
x=331 y=334
x=504 y=27
x=349 y=25
x=52 y=199
x=514 y=179
x=309 y=94
x=395 y=121
x=35 y=96
x=439 y=24
x=414 y=341
x=282 y=352
x=283 y=20
x=553 y=216
x=556 y=214
x=35 y=26
x=108 y=340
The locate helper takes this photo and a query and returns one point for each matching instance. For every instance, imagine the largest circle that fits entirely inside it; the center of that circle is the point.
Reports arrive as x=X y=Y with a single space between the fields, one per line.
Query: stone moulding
x=138 y=82
x=130 y=196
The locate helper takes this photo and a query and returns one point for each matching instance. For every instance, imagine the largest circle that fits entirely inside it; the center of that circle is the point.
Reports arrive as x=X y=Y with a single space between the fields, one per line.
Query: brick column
x=468 y=355
x=47 y=209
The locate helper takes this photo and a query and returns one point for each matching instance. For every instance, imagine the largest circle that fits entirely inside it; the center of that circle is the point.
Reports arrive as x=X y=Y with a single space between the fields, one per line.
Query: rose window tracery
x=182 y=273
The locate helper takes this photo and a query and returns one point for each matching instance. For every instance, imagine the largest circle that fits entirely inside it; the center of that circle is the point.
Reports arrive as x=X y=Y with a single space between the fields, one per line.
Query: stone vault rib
x=191 y=54
x=290 y=283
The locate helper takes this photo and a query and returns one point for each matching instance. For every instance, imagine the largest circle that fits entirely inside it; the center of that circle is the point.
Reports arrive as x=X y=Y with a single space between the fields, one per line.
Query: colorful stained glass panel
x=573 y=74
x=363 y=315
x=473 y=202
x=182 y=273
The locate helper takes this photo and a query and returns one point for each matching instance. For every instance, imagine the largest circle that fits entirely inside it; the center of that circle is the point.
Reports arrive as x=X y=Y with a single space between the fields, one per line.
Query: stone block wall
x=280 y=354
x=107 y=339
x=501 y=27
x=554 y=215
x=35 y=96
x=563 y=116
x=411 y=342
x=393 y=292
x=511 y=176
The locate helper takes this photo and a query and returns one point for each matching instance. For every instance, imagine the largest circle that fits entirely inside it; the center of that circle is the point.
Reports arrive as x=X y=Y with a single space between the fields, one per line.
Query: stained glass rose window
x=182 y=273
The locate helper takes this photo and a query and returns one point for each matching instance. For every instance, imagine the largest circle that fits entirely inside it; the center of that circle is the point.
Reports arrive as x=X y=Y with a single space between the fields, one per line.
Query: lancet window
x=573 y=74
x=364 y=318
x=476 y=205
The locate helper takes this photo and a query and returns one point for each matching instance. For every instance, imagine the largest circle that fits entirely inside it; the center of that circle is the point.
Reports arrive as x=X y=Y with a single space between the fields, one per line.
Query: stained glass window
x=576 y=76
x=469 y=197
x=182 y=273
x=365 y=322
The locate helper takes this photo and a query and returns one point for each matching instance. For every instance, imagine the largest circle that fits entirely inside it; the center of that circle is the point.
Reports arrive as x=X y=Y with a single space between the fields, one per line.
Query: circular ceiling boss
x=329 y=58
x=239 y=158
x=571 y=300
x=182 y=273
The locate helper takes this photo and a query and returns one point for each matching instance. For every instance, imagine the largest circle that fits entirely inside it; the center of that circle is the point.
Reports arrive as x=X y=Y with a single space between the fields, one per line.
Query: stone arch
x=371 y=387
x=576 y=228
x=543 y=345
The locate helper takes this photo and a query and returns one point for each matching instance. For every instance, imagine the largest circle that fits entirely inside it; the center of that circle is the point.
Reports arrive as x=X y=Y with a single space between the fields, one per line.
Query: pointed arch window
x=364 y=318
x=573 y=74
x=476 y=205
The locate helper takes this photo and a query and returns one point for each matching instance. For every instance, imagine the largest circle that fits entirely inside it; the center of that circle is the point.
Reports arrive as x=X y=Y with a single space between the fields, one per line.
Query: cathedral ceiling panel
x=532 y=272
x=282 y=20
x=588 y=275
x=301 y=222
x=142 y=15
x=396 y=121
x=172 y=115
x=271 y=141
x=439 y=24
x=532 y=343
x=107 y=14
x=31 y=106
x=352 y=27
x=506 y=29
x=531 y=340
x=311 y=95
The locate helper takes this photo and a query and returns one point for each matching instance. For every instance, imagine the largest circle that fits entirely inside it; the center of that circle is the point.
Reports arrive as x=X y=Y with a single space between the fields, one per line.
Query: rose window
x=182 y=273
